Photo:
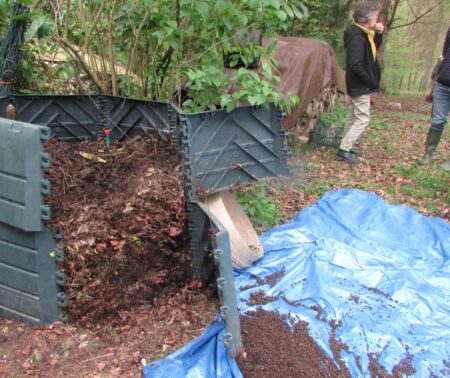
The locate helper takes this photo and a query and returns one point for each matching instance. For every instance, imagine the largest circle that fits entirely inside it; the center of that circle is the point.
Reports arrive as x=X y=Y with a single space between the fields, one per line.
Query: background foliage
x=155 y=48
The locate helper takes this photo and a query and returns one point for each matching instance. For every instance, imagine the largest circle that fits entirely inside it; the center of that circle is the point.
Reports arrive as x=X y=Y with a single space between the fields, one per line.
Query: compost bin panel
x=28 y=280
x=72 y=118
x=82 y=117
x=224 y=149
x=210 y=236
x=21 y=181
x=127 y=118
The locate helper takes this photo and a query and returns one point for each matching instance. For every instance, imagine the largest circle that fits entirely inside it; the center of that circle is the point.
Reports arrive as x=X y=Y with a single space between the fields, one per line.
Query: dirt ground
x=132 y=295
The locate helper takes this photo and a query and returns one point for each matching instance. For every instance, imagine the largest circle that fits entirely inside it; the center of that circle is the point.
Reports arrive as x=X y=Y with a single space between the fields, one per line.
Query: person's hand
x=379 y=27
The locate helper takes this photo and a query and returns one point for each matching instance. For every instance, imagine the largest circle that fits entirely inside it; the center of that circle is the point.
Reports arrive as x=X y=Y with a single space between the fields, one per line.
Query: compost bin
x=219 y=151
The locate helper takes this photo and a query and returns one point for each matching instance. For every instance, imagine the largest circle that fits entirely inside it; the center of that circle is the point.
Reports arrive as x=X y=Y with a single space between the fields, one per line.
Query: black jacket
x=444 y=70
x=363 y=73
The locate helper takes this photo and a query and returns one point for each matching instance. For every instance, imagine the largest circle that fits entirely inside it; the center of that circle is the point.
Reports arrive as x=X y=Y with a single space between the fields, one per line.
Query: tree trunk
x=415 y=80
x=422 y=84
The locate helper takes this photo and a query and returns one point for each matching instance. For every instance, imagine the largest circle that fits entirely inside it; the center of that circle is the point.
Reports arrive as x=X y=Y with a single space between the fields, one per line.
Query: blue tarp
x=382 y=271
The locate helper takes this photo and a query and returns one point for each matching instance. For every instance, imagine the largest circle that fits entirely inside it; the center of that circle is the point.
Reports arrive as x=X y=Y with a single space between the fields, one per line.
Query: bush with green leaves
x=331 y=126
x=260 y=206
x=161 y=44
x=210 y=87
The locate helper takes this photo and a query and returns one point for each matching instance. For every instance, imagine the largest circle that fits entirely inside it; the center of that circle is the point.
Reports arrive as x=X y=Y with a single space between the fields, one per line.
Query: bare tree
x=389 y=13
x=400 y=14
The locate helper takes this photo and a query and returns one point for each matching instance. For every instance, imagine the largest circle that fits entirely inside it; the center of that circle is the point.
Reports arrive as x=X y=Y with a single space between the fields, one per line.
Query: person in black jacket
x=362 y=76
x=441 y=106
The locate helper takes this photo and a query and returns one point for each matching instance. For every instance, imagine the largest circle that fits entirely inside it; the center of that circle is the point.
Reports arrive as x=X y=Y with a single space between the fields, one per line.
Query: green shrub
x=331 y=125
x=260 y=206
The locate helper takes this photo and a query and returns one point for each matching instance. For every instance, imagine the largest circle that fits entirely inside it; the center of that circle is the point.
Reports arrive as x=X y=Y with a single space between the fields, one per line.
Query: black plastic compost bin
x=219 y=150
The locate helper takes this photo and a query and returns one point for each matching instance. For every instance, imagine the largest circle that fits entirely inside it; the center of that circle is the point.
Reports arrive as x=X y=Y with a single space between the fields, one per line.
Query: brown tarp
x=306 y=66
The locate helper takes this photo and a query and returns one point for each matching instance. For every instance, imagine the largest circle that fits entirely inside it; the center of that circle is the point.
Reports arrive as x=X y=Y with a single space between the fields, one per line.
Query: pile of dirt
x=272 y=349
x=123 y=218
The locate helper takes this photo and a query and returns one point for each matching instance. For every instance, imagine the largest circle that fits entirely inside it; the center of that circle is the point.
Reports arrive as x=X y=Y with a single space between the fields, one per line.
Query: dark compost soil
x=127 y=261
x=122 y=213
x=272 y=349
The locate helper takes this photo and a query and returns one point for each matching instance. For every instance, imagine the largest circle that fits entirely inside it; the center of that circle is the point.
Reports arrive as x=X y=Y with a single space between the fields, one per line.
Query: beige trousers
x=357 y=121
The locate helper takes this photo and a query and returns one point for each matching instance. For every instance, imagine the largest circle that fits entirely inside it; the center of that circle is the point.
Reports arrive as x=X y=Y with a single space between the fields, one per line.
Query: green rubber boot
x=432 y=142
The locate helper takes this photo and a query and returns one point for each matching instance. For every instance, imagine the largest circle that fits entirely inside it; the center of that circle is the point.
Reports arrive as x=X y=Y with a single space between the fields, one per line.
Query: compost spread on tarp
x=368 y=278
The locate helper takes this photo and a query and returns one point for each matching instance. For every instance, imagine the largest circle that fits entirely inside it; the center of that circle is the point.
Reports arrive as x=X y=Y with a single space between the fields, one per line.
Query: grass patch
x=427 y=183
x=317 y=188
x=408 y=116
x=312 y=166
x=391 y=147
x=405 y=92
x=307 y=148
x=380 y=123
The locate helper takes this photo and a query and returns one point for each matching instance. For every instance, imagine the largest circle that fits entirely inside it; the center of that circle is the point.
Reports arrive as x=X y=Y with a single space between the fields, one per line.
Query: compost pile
x=122 y=214
x=274 y=350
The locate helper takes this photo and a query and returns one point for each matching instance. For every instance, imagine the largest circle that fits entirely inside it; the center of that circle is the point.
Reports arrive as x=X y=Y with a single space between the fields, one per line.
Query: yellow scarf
x=371 y=35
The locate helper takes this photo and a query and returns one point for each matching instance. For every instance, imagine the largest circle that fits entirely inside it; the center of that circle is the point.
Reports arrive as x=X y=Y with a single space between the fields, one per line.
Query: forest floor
x=132 y=294
x=392 y=146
